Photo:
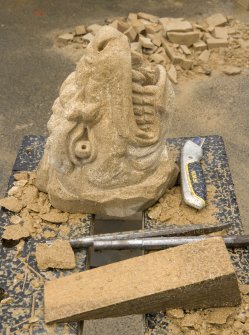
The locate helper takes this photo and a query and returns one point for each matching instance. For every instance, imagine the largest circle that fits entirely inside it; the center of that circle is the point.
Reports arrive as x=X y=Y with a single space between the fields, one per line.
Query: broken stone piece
x=80 y=30
x=200 y=46
x=15 y=219
x=156 y=39
x=231 y=70
x=122 y=26
x=131 y=34
x=178 y=26
x=172 y=73
x=172 y=53
x=12 y=204
x=138 y=26
x=152 y=28
x=219 y=316
x=23 y=175
x=157 y=58
x=188 y=38
x=176 y=313
x=148 y=17
x=220 y=32
x=55 y=217
x=204 y=56
x=216 y=20
x=88 y=37
x=186 y=63
x=185 y=50
x=65 y=37
x=199 y=275
x=15 y=232
x=146 y=42
x=93 y=28
x=216 y=43
x=58 y=255
x=106 y=151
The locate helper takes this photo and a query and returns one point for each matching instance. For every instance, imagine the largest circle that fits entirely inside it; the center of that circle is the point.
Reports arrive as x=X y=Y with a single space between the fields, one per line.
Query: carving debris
x=174 y=33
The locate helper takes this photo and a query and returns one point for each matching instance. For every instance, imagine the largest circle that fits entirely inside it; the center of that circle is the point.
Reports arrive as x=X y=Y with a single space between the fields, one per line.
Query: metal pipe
x=166 y=242
x=195 y=229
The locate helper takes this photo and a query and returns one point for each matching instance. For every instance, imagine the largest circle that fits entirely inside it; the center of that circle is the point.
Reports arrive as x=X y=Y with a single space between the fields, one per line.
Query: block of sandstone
x=188 y=38
x=216 y=20
x=196 y=275
x=106 y=151
x=213 y=43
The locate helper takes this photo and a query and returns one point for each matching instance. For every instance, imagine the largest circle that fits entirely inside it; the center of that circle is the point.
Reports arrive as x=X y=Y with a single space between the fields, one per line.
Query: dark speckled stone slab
x=14 y=317
x=217 y=173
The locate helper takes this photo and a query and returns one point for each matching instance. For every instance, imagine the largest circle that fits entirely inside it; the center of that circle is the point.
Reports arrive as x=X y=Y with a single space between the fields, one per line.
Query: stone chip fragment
x=55 y=217
x=213 y=43
x=216 y=20
x=80 y=30
x=58 y=255
x=188 y=38
x=12 y=204
x=15 y=232
x=231 y=70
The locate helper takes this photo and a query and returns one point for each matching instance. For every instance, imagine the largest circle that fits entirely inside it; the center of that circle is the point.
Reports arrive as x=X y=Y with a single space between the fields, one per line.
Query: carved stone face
x=106 y=152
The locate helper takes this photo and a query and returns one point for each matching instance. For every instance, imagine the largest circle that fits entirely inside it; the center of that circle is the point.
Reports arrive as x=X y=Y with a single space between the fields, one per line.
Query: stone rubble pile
x=212 y=321
x=183 y=47
x=33 y=214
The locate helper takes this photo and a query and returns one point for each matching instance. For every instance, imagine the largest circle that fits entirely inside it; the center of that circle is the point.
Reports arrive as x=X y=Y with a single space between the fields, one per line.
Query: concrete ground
x=32 y=71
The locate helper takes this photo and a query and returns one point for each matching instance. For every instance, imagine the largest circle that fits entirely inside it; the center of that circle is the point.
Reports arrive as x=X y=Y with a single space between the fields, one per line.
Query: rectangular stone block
x=197 y=275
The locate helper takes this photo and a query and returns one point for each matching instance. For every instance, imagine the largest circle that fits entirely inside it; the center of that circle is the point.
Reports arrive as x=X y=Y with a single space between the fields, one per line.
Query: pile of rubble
x=183 y=47
x=33 y=214
x=212 y=321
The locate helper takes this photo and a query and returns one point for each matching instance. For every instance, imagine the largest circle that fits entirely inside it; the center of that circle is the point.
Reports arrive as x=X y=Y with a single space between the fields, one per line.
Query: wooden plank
x=197 y=275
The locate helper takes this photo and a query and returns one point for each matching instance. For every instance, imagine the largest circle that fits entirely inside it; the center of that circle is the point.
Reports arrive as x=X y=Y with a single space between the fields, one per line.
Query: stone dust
x=171 y=209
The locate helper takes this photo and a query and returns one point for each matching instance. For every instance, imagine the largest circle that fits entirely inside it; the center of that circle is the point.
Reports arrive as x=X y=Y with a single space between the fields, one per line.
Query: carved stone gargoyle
x=106 y=150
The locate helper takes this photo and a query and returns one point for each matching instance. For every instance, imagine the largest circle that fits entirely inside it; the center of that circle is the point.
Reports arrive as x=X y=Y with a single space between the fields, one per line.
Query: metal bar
x=195 y=229
x=166 y=242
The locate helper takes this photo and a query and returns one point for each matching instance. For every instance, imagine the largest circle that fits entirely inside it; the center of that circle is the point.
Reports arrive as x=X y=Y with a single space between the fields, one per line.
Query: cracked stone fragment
x=188 y=38
x=178 y=26
x=12 y=204
x=80 y=30
x=213 y=43
x=65 y=37
x=55 y=217
x=172 y=73
x=231 y=70
x=58 y=255
x=15 y=232
x=216 y=20
x=219 y=316
x=176 y=313
x=24 y=175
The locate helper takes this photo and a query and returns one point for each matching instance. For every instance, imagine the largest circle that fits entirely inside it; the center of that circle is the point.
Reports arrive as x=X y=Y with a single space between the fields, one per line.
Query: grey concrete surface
x=32 y=71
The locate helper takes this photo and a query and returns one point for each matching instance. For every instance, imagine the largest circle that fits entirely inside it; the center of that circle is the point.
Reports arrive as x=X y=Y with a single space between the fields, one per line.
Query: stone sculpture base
x=120 y=202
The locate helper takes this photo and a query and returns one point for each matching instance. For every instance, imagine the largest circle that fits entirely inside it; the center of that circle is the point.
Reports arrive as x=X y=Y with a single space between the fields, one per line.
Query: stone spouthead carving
x=106 y=152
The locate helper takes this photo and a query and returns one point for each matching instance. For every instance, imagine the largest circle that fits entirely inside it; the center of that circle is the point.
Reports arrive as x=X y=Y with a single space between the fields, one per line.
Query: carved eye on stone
x=82 y=149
